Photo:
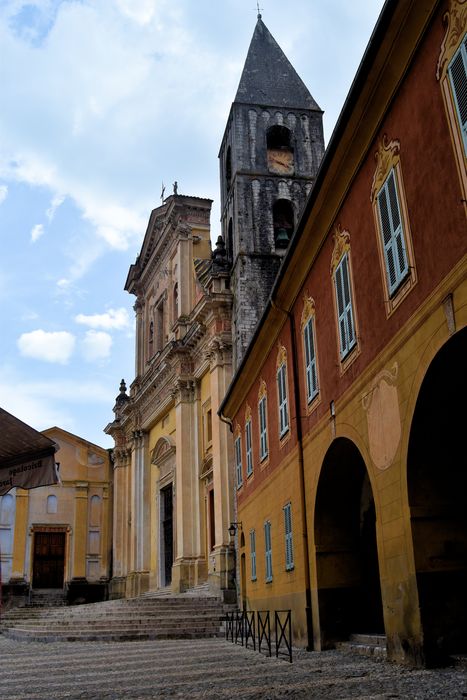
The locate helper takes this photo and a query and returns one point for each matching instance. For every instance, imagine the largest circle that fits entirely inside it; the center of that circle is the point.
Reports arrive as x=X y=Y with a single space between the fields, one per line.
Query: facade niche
x=283 y=222
x=280 y=150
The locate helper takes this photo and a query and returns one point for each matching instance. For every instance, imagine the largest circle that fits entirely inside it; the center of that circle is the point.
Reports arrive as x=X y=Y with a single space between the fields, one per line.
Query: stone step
x=365 y=644
x=109 y=635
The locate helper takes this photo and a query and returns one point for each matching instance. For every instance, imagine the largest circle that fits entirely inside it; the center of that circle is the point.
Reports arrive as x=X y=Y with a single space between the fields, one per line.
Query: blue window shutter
x=253 y=554
x=282 y=392
x=288 y=536
x=268 y=550
x=392 y=232
x=249 y=451
x=458 y=77
x=263 y=435
x=310 y=360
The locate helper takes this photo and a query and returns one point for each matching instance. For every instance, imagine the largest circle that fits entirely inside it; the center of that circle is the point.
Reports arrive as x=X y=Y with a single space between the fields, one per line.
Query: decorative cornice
x=455 y=20
x=308 y=310
x=387 y=157
x=281 y=356
x=341 y=246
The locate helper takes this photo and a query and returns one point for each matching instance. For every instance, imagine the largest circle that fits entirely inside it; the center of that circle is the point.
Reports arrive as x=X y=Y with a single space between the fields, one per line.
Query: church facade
x=347 y=408
x=196 y=310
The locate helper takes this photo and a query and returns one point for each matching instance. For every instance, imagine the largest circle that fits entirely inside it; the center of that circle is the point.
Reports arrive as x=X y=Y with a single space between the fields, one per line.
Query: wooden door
x=49 y=559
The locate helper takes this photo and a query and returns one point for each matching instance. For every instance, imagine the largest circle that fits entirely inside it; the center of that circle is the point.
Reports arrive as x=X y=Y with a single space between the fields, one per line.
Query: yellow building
x=58 y=537
x=348 y=407
x=173 y=491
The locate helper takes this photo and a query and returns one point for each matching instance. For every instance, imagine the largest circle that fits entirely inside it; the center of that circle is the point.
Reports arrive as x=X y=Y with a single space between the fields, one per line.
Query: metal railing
x=252 y=628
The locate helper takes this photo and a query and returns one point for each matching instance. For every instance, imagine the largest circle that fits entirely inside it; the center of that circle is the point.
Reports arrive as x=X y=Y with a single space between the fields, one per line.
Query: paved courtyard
x=207 y=668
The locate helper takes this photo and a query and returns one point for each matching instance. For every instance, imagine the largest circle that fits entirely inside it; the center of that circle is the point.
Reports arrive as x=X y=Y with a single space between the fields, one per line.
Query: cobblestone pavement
x=208 y=668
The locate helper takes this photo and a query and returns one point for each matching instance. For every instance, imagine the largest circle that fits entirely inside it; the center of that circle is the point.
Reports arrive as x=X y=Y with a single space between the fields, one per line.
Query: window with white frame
x=268 y=550
x=282 y=394
x=310 y=359
x=347 y=336
x=392 y=233
x=288 y=537
x=249 y=449
x=263 y=428
x=238 y=460
x=253 y=554
x=457 y=72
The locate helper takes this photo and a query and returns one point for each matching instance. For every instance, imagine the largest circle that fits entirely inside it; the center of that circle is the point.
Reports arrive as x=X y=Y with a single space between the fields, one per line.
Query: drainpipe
x=228 y=422
x=301 y=471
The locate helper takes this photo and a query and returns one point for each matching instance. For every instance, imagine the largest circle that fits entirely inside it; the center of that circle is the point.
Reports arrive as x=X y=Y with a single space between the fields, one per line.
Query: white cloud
x=56 y=202
x=36 y=232
x=3 y=193
x=117 y=319
x=96 y=345
x=140 y=11
x=55 y=346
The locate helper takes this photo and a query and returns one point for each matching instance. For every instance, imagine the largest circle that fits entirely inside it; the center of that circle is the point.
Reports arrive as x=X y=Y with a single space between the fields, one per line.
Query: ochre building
x=58 y=537
x=348 y=406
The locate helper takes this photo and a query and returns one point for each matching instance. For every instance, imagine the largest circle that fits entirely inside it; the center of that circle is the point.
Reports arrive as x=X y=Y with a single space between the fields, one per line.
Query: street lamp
x=233 y=529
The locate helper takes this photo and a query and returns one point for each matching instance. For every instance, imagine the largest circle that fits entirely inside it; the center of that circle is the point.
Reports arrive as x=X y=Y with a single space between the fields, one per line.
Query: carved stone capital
x=184 y=390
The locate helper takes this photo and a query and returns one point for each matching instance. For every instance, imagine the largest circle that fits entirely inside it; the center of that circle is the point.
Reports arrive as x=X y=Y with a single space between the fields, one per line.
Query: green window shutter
x=458 y=77
x=346 y=324
x=249 y=450
x=392 y=232
x=282 y=392
x=238 y=461
x=310 y=360
x=263 y=435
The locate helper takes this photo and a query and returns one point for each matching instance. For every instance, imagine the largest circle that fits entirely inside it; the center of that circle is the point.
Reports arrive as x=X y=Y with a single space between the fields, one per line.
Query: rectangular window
x=458 y=79
x=253 y=554
x=392 y=232
x=263 y=429
x=288 y=537
x=238 y=460
x=310 y=360
x=249 y=450
x=347 y=336
x=268 y=550
x=282 y=391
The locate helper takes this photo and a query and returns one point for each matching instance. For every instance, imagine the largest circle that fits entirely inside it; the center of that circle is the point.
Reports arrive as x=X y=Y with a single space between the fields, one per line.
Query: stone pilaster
x=18 y=569
x=80 y=531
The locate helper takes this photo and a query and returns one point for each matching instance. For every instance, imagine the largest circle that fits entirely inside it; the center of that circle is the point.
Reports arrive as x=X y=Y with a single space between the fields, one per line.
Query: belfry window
x=283 y=222
x=280 y=150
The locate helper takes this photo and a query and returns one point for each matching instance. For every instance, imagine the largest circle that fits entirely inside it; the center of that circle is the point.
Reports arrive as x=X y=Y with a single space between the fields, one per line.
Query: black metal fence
x=252 y=629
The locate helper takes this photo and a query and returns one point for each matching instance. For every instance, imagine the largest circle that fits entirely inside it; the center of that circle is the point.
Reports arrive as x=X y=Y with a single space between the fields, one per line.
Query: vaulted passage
x=349 y=591
x=437 y=485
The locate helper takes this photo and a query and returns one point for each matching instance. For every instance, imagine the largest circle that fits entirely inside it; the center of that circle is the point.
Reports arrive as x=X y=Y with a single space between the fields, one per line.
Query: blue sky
x=101 y=101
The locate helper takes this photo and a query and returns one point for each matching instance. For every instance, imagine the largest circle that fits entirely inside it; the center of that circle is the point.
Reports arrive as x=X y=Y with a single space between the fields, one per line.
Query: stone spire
x=268 y=77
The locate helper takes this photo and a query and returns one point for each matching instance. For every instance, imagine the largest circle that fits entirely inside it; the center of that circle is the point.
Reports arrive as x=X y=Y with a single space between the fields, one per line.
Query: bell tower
x=272 y=146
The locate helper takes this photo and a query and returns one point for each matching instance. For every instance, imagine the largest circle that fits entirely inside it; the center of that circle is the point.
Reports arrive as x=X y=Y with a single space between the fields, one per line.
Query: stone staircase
x=366 y=644
x=47 y=598
x=185 y=616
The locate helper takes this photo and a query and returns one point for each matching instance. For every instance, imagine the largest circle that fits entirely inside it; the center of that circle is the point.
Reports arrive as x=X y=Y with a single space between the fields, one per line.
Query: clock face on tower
x=280 y=161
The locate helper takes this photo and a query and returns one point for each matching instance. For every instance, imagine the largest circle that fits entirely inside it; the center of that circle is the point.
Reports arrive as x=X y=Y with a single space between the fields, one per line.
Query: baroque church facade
x=196 y=310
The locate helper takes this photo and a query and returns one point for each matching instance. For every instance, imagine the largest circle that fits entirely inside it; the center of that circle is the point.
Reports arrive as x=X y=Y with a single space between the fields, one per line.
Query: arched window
x=283 y=222
x=280 y=150
x=6 y=509
x=51 y=504
x=95 y=511
x=228 y=168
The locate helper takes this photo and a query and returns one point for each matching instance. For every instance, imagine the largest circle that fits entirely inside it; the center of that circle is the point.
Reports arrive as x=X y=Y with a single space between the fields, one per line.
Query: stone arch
x=437 y=488
x=347 y=565
x=164 y=448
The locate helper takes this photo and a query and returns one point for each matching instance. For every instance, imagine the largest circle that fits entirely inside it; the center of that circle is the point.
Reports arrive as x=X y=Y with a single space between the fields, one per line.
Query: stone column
x=139 y=338
x=186 y=489
x=106 y=544
x=220 y=575
x=19 y=567
x=139 y=565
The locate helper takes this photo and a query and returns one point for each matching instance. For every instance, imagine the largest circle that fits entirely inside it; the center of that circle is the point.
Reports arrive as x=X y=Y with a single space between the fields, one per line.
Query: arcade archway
x=437 y=489
x=349 y=591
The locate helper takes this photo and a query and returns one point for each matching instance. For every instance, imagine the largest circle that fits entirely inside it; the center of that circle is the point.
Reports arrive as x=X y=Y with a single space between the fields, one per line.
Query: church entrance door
x=166 y=534
x=49 y=559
